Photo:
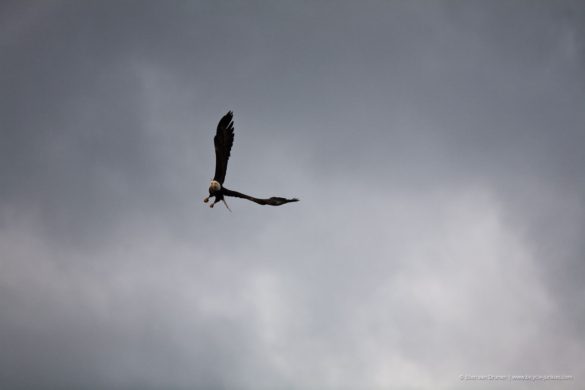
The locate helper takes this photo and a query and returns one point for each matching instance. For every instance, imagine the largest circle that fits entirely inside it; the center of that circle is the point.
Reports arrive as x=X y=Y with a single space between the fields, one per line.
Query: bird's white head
x=214 y=186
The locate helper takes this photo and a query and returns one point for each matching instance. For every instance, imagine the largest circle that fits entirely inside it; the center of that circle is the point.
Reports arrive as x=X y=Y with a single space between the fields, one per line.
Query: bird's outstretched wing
x=223 y=141
x=274 y=201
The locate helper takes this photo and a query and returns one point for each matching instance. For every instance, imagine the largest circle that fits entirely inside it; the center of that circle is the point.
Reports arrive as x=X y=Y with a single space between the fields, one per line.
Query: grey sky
x=437 y=148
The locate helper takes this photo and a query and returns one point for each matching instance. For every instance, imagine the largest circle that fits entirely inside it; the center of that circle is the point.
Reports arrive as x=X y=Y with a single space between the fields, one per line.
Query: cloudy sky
x=437 y=148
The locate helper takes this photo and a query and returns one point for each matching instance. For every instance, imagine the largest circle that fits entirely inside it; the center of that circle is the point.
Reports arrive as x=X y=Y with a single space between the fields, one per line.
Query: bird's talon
x=205 y=200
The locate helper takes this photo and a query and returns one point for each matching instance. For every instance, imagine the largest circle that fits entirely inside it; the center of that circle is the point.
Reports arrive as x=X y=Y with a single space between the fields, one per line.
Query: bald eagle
x=223 y=141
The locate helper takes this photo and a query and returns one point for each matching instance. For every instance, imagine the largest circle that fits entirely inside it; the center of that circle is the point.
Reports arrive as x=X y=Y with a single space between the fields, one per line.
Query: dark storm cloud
x=436 y=148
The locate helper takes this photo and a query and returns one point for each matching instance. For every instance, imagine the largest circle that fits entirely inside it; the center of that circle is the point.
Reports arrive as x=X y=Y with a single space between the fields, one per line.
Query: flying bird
x=223 y=141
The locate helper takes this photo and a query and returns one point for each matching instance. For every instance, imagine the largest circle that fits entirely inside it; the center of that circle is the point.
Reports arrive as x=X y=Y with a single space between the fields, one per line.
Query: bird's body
x=223 y=141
